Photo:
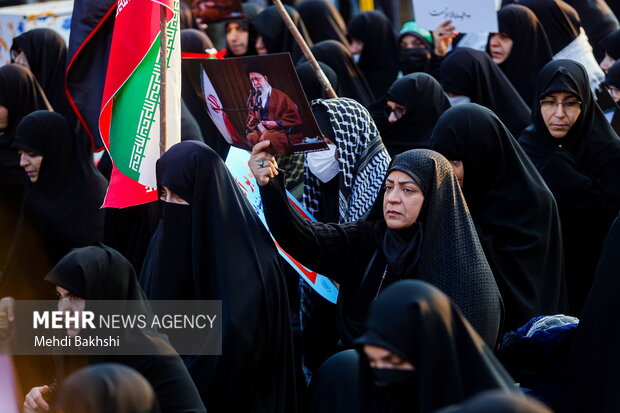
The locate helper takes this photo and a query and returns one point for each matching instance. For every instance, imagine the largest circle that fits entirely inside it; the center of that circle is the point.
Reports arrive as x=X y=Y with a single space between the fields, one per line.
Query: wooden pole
x=163 y=64
x=305 y=49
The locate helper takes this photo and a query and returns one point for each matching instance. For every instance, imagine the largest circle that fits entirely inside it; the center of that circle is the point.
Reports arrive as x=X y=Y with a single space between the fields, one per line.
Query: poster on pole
x=257 y=98
x=471 y=16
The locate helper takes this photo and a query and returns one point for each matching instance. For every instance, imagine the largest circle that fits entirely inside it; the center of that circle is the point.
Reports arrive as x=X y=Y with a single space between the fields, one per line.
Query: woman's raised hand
x=262 y=164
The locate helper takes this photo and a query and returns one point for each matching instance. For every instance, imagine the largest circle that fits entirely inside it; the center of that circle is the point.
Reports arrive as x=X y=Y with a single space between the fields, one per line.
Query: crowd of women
x=466 y=211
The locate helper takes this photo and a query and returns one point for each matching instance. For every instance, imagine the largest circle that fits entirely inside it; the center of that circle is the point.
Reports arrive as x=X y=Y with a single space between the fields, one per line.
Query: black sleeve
x=433 y=65
x=334 y=250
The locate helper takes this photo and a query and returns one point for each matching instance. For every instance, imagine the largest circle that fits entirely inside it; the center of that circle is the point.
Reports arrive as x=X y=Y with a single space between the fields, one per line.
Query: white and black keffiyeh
x=362 y=158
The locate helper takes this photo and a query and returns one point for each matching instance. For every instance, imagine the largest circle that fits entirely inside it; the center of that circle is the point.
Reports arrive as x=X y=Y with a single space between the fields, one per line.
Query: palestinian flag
x=130 y=109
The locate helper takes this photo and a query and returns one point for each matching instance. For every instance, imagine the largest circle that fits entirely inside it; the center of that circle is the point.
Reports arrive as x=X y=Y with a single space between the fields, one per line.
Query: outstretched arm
x=330 y=249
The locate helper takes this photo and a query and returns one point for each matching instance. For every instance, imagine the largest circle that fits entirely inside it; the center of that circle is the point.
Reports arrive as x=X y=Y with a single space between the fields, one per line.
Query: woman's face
x=396 y=111
x=613 y=91
x=237 y=39
x=69 y=302
x=261 y=49
x=459 y=171
x=381 y=358
x=409 y=41
x=19 y=57
x=167 y=195
x=560 y=111
x=500 y=46
x=4 y=117
x=402 y=201
x=31 y=162
x=607 y=63
x=356 y=46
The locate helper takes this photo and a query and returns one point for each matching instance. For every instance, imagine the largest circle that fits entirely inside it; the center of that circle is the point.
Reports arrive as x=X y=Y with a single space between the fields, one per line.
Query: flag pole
x=305 y=49
x=163 y=64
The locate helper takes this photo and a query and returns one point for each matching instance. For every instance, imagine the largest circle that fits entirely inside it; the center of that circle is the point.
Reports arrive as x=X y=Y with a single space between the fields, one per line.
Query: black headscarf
x=61 y=210
x=425 y=101
x=597 y=20
x=46 y=52
x=196 y=41
x=250 y=10
x=472 y=73
x=276 y=36
x=107 y=388
x=514 y=212
x=216 y=248
x=21 y=94
x=351 y=79
x=560 y=21
x=611 y=44
x=592 y=142
x=596 y=363
x=101 y=273
x=530 y=48
x=613 y=78
x=379 y=58
x=186 y=17
x=310 y=82
x=323 y=21
x=419 y=323
x=357 y=254
x=581 y=170
x=445 y=219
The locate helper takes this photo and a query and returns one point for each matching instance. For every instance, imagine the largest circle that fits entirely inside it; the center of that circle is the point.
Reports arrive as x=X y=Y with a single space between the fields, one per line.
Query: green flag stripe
x=134 y=114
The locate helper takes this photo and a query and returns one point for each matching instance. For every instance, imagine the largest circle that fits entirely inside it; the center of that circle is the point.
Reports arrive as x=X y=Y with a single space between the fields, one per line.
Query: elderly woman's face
x=402 y=200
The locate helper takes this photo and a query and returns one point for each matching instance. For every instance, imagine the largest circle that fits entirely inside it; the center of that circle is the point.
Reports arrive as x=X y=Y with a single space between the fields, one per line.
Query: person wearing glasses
x=612 y=84
x=576 y=151
x=413 y=104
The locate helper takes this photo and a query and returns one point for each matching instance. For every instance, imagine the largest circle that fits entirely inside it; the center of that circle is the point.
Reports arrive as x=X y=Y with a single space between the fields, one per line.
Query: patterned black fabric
x=451 y=257
x=514 y=212
x=362 y=158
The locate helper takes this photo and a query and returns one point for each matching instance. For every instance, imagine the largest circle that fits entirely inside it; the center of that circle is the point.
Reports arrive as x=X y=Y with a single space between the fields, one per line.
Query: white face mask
x=356 y=57
x=324 y=164
x=458 y=100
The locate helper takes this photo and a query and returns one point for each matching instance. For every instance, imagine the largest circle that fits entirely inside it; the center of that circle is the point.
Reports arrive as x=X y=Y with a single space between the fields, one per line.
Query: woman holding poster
x=411 y=232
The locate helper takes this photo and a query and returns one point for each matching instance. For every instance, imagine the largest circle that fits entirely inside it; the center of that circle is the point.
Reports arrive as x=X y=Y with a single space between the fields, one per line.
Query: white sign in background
x=15 y=20
x=468 y=16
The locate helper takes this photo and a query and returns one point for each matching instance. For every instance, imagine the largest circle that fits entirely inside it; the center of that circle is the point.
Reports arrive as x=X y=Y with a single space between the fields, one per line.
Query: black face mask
x=413 y=60
x=399 y=386
x=176 y=239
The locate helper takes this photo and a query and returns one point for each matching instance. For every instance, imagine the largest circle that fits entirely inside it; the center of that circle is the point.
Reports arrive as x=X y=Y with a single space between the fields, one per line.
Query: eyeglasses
x=614 y=92
x=569 y=106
